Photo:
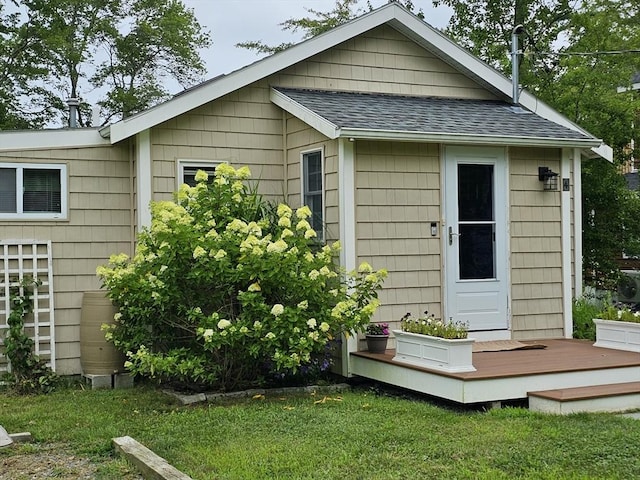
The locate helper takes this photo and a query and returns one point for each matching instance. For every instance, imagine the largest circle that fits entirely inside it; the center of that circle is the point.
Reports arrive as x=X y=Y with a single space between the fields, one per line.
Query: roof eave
x=305 y=114
x=49 y=139
x=459 y=138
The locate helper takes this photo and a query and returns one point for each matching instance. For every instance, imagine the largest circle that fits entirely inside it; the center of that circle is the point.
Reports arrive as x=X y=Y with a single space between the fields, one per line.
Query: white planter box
x=617 y=335
x=437 y=353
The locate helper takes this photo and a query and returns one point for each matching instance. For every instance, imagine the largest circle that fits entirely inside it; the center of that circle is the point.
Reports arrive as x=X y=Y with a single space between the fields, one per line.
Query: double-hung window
x=312 y=189
x=33 y=191
x=187 y=170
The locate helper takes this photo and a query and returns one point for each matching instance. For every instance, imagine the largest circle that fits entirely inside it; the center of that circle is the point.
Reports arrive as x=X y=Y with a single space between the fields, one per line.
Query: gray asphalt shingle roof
x=371 y=111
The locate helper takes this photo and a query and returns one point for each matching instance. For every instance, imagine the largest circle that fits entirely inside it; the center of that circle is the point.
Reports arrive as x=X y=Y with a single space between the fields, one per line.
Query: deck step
x=615 y=397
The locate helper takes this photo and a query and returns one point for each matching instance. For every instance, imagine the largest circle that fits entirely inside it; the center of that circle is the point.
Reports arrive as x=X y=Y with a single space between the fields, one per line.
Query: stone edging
x=189 y=399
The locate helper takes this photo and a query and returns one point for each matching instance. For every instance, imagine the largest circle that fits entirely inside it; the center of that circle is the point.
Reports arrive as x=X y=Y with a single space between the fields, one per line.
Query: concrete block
x=122 y=380
x=98 y=382
x=22 y=437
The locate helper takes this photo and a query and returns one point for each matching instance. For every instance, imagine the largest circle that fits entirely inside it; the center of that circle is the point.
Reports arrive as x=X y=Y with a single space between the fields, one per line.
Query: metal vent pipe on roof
x=73 y=103
x=515 y=51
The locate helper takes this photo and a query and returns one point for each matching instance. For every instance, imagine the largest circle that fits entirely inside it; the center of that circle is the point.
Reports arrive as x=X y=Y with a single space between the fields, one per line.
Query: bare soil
x=37 y=461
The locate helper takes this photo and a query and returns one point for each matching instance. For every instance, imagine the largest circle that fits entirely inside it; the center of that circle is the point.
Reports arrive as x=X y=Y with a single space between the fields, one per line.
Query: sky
x=234 y=21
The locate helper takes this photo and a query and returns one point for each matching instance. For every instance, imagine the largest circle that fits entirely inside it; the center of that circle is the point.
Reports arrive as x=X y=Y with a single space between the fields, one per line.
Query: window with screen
x=312 y=192
x=33 y=191
x=187 y=171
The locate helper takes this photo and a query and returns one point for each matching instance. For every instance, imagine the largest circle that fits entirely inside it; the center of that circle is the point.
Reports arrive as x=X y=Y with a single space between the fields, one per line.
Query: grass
x=358 y=435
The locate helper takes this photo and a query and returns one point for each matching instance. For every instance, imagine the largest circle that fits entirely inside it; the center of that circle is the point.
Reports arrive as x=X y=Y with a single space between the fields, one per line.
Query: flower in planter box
x=435 y=327
x=377 y=329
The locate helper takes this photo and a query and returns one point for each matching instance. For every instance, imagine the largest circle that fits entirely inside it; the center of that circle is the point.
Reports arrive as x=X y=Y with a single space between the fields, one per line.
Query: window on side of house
x=33 y=191
x=312 y=189
x=187 y=170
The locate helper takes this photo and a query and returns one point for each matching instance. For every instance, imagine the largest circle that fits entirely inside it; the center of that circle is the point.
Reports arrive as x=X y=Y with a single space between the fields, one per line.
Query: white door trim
x=497 y=290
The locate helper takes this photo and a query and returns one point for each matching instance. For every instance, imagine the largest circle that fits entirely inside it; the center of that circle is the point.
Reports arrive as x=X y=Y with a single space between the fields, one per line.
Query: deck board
x=561 y=355
x=596 y=391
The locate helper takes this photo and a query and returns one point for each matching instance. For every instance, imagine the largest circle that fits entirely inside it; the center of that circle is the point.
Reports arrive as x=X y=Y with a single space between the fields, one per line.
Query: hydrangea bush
x=224 y=290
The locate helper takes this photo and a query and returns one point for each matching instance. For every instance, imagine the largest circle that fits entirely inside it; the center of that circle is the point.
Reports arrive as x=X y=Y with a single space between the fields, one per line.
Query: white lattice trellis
x=20 y=259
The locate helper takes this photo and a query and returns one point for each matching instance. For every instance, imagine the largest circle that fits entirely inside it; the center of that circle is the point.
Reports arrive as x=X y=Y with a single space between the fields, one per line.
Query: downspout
x=515 y=67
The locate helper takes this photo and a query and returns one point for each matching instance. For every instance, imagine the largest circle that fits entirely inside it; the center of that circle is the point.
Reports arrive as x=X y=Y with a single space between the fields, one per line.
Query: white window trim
x=302 y=183
x=64 y=193
x=183 y=163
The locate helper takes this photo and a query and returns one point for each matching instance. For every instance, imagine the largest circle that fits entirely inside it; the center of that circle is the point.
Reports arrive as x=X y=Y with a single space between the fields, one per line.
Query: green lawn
x=357 y=435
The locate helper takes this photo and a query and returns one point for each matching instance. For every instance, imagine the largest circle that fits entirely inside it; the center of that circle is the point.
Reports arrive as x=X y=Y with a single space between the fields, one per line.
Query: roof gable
x=391 y=14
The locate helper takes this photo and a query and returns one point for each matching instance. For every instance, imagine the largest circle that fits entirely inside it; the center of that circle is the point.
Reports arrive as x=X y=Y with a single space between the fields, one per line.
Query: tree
x=20 y=105
x=69 y=32
x=592 y=67
x=319 y=22
x=54 y=49
x=569 y=62
x=162 y=43
x=484 y=27
x=611 y=222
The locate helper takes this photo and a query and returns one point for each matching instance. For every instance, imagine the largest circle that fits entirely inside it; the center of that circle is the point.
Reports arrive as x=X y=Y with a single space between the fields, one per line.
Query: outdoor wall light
x=548 y=178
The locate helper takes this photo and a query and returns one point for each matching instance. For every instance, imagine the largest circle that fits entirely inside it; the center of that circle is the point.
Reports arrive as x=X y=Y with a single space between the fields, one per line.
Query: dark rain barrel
x=97 y=355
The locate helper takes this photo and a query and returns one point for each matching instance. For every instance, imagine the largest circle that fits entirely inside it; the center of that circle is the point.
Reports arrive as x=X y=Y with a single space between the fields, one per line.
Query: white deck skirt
x=485 y=390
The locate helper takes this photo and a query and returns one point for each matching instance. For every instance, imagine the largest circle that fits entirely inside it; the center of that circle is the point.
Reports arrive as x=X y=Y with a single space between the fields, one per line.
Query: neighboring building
x=402 y=142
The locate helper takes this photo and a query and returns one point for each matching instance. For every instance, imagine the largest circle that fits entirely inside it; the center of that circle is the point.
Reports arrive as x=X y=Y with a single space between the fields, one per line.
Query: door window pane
x=475 y=192
x=476 y=257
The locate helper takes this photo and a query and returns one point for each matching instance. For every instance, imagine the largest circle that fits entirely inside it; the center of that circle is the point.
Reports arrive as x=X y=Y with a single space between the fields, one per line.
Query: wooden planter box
x=436 y=353
x=617 y=335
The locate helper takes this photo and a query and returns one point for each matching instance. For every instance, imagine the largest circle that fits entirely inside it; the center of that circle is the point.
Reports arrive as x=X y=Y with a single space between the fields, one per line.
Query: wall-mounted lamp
x=548 y=177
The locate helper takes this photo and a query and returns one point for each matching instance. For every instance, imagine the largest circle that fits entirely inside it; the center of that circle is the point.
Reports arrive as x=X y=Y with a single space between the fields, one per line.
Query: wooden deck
x=508 y=375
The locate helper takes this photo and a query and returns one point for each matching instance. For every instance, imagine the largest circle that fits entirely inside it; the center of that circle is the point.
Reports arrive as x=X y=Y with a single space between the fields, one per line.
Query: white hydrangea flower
x=222 y=324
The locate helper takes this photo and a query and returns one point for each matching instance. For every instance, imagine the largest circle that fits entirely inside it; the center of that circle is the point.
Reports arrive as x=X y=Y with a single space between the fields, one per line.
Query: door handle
x=452 y=234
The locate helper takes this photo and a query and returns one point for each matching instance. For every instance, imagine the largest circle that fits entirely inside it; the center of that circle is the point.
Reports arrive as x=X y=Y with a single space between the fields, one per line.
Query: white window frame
x=303 y=182
x=183 y=163
x=64 y=192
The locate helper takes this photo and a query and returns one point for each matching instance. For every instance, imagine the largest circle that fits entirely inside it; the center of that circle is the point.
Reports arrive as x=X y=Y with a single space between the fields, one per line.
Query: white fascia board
x=54 y=139
x=308 y=116
x=634 y=86
x=250 y=74
x=603 y=151
x=362 y=134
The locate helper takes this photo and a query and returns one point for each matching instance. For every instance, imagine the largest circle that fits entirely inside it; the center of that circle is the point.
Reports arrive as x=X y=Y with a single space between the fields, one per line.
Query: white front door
x=475 y=205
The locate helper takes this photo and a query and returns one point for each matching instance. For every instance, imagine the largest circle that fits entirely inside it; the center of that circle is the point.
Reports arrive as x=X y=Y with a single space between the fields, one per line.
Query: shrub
x=585 y=309
x=224 y=290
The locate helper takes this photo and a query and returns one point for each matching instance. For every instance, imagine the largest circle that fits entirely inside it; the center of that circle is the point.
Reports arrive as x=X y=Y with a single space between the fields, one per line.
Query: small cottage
x=408 y=149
